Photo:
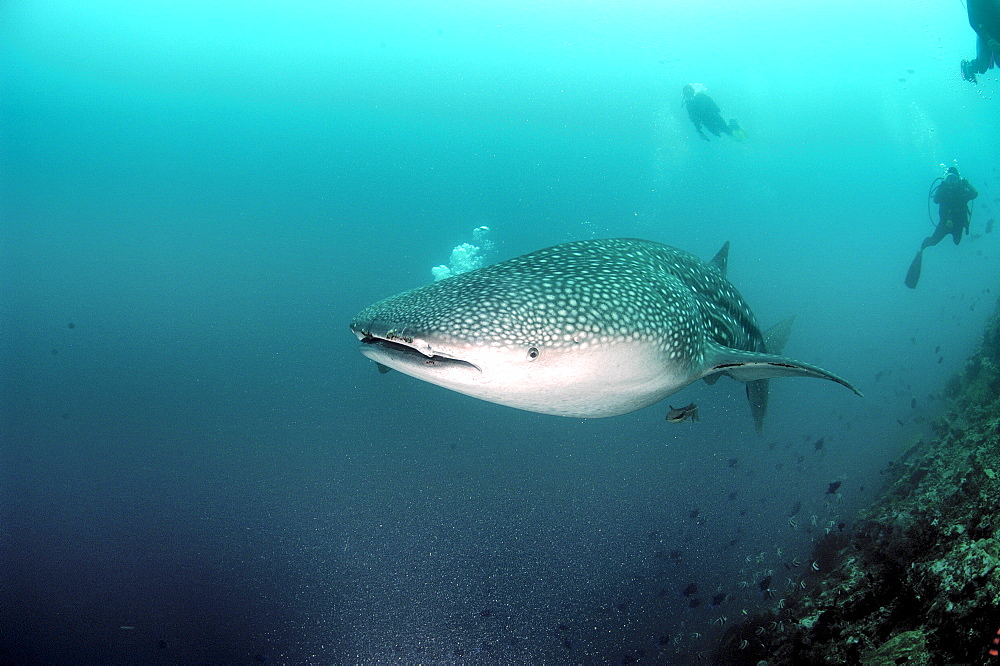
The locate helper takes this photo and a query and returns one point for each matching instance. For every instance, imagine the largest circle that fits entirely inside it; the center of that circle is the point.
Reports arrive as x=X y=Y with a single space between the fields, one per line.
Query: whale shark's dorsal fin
x=776 y=337
x=721 y=258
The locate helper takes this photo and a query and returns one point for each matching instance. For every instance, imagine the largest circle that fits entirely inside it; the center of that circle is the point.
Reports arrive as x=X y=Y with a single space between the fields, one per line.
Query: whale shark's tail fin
x=758 y=390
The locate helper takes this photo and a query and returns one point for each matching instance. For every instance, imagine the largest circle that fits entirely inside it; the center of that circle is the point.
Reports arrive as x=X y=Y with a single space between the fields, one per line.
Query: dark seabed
x=197 y=465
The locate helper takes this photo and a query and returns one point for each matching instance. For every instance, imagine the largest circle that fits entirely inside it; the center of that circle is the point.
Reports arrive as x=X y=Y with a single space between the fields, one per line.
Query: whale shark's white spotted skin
x=587 y=329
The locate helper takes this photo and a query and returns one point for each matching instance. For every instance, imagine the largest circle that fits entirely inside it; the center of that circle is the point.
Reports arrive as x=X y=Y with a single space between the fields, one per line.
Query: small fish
x=818 y=446
x=690 y=589
x=989 y=226
x=833 y=487
x=686 y=413
x=913 y=403
x=719 y=598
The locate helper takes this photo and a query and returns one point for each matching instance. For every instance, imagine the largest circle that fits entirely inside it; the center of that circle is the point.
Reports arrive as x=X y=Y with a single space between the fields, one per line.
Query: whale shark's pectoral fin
x=755 y=368
x=747 y=366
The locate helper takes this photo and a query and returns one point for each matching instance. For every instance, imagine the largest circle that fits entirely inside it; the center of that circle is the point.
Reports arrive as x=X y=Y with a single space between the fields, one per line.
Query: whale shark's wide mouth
x=398 y=353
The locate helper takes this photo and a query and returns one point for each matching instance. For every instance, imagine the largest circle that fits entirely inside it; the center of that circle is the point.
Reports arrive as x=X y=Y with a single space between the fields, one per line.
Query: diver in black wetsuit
x=984 y=17
x=952 y=196
x=704 y=112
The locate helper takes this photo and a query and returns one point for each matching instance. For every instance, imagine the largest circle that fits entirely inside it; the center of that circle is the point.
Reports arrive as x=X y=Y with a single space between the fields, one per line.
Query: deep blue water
x=197 y=464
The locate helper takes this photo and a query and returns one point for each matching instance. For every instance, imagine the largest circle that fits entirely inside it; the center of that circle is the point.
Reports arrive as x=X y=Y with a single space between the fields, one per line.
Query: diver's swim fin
x=736 y=131
x=913 y=275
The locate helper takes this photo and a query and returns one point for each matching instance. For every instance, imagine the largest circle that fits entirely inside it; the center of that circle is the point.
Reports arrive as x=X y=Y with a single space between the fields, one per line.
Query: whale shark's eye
x=532 y=353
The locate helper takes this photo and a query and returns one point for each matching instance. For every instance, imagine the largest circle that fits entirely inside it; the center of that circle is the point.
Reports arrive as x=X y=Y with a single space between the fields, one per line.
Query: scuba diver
x=703 y=111
x=984 y=17
x=952 y=193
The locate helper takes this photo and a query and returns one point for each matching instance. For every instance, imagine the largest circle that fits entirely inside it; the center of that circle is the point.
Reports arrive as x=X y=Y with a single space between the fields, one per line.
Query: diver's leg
x=960 y=222
x=981 y=63
x=984 y=55
x=716 y=125
x=936 y=237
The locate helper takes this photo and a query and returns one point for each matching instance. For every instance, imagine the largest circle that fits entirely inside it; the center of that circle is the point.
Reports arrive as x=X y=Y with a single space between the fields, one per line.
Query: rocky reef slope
x=917 y=579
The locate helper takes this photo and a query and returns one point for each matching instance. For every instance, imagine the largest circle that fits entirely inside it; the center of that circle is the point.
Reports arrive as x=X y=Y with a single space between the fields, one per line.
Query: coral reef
x=916 y=579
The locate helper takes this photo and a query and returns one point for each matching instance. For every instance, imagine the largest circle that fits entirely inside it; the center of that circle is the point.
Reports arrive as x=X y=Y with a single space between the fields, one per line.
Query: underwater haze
x=197 y=464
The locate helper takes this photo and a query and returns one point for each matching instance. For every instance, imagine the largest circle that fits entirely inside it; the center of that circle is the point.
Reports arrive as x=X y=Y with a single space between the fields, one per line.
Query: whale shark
x=587 y=329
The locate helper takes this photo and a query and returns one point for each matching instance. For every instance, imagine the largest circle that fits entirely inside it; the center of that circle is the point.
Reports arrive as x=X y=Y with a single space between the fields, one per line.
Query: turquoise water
x=199 y=466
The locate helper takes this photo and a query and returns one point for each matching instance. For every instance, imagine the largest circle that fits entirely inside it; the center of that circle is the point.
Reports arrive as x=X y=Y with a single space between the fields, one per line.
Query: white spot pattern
x=592 y=292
